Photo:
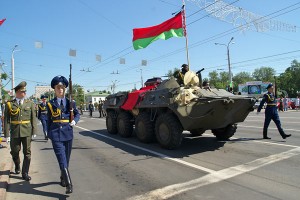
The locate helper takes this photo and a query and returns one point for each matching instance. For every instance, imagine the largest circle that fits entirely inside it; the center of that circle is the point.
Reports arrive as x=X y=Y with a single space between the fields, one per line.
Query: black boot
x=25 y=169
x=62 y=180
x=17 y=168
x=69 y=186
x=17 y=165
x=266 y=136
x=286 y=135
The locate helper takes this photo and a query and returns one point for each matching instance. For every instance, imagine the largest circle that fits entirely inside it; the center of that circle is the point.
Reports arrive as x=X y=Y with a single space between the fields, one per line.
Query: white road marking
x=286 y=122
x=257 y=127
x=262 y=115
x=163 y=156
x=218 y=176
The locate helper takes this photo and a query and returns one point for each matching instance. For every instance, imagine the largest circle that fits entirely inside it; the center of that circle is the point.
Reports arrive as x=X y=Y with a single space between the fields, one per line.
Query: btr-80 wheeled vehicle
x=164 y=109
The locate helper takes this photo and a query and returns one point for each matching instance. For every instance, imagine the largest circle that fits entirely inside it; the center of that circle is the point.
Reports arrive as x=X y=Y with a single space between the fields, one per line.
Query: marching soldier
x=42 y=115
x=60 y=129
x=20 y=125
x=271 y=112
x=179 y=75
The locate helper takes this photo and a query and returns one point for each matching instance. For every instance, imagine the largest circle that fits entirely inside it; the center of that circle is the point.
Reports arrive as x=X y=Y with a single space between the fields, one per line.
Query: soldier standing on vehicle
x=60 y=129
x=271 y=113
x=19 y=125
x=91 y=108
x=42 y=115
x=179 y=75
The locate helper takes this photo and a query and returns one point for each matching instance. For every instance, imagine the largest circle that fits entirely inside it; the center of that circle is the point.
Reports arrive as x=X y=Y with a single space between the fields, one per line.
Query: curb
x=5 y=168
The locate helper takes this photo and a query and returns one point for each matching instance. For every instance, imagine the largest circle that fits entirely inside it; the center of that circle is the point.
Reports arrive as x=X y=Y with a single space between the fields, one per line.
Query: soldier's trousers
x=271 y=113
x=44 y=124
x=15 y=146
x=63 y=152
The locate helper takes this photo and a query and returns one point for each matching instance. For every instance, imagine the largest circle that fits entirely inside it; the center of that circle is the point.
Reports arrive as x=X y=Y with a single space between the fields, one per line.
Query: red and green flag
x=2 y=21
x=174 y=27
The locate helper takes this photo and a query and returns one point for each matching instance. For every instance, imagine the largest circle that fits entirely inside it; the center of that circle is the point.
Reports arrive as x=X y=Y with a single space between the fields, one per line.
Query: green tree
x=172 y=72
x=264 y=74
x=290 y=79
x=241 y=78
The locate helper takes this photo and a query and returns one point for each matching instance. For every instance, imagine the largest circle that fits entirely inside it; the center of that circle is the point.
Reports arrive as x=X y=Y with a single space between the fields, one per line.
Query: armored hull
x=164 y=109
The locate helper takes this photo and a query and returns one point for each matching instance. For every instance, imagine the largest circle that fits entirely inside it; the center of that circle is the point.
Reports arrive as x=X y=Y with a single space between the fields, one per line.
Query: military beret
x=21 y=87
x=59 y=80
x=270 y=85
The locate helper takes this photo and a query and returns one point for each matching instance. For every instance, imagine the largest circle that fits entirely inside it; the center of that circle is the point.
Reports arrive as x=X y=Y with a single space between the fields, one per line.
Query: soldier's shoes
x=17 y=169
x=69 y=189
x=62 y=182
x=286 y=135
x=26 y=177
x=266 y=137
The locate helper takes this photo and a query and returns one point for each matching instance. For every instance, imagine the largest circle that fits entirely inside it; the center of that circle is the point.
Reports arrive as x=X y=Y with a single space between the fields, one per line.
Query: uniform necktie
x=20 y=102
x=62 y=105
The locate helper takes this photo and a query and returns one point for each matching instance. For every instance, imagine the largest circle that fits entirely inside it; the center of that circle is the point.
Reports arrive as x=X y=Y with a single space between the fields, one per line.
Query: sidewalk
x=6 y=164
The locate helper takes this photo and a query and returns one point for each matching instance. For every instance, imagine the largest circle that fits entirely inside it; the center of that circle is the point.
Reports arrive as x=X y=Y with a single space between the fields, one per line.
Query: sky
x=97 y=27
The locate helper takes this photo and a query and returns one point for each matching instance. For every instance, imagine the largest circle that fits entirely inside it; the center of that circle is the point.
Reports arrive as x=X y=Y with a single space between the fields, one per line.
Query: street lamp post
x=13 y=70
x=228 y=59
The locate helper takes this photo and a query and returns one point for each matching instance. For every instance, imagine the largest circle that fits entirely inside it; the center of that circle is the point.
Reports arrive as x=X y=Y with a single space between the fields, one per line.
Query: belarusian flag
x=173 y=27
x=1 y=21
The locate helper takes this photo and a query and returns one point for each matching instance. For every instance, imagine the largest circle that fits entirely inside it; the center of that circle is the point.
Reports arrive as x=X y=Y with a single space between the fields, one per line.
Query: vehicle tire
x=225 y=133
x=125 y=126
x=144 y=128
x=197 y=132
x=168 y=131
x=111 y=123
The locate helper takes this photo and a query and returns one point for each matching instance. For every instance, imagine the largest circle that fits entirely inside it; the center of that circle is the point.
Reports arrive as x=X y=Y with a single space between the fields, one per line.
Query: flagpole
x=185 y=34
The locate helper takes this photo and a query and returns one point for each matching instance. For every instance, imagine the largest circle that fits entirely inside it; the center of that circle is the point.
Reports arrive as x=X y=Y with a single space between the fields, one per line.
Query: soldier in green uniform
x=179 y=75
x=19 y=125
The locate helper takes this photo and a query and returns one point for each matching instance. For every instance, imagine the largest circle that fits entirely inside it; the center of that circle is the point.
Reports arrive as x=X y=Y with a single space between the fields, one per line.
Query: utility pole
x=228 y=59
x=13 y=70
x=142 y=82
x=1 y=64
x=113 y=86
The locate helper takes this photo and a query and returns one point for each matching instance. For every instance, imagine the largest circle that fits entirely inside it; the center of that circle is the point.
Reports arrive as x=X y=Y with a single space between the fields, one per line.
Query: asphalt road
x=105 y=166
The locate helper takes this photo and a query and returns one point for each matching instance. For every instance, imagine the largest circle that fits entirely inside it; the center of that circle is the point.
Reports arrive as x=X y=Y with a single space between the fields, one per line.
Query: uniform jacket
x=91 y=107
x=270 y=99
x=14 y=117
x=60 y=131
x=42 y=111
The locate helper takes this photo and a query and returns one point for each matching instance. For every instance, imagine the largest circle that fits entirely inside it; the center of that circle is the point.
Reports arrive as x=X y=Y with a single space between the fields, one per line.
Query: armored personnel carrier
x=164 y=109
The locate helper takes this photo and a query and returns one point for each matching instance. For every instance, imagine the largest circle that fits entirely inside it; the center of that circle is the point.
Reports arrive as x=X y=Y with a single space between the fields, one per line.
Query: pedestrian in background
x=91 y=108
x=297 y=103
x=60 y=129
x=20 y=125
x=285 y=103
x=271 y=113
x=100 y=109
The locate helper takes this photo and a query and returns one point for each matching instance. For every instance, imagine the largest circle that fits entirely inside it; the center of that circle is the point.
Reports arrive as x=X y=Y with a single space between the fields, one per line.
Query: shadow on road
x=189 y=146
x=29 y=188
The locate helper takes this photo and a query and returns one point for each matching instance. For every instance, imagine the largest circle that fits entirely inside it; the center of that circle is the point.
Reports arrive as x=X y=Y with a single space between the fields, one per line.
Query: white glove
x=33 y=136
x=73 y=123
x=7 y=140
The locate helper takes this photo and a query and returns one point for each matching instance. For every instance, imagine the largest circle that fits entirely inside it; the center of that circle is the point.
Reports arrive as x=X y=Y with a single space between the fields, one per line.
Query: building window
x=95 y=99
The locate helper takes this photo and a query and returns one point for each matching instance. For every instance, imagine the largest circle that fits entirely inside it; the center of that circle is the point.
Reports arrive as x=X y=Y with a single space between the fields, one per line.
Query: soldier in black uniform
x=91 y=108
x=271 y=113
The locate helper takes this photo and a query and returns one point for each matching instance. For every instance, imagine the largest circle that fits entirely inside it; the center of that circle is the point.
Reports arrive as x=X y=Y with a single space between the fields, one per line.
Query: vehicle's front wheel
x=168 y=131
x=225 y=133
x=197 y=132
x=125 y=126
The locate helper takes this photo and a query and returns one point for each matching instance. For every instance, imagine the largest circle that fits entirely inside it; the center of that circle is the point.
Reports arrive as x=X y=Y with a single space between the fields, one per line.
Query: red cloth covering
x=133 y=97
